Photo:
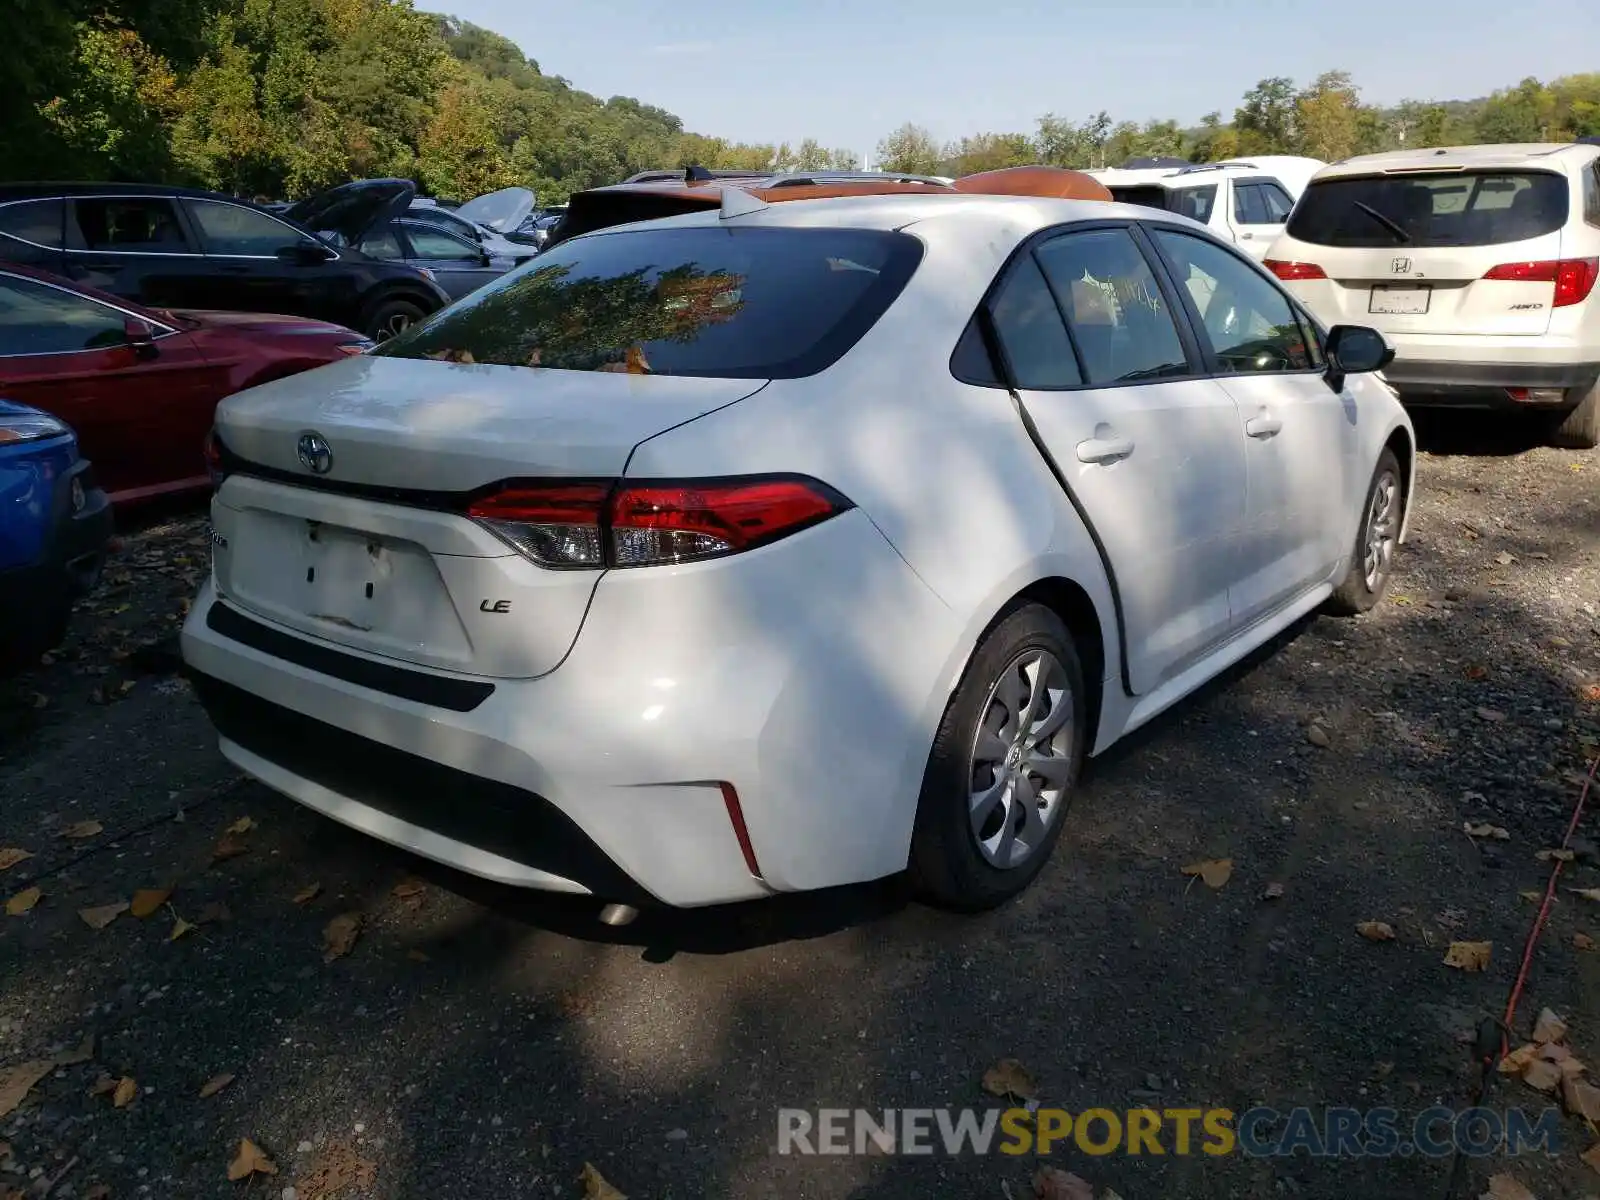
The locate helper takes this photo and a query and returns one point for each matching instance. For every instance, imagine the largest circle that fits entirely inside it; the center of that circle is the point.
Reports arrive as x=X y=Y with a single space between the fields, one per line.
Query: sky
x=846 y=72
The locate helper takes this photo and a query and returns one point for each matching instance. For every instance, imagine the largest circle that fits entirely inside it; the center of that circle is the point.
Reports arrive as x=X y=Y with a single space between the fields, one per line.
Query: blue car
x=54 y=526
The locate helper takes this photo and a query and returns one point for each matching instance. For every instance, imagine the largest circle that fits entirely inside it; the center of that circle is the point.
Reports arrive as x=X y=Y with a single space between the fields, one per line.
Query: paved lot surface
x=480 y=1043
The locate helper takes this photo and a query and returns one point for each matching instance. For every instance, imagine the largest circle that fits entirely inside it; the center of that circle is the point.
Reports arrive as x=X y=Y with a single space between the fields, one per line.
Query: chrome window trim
x=162 y=329
x=301 y=234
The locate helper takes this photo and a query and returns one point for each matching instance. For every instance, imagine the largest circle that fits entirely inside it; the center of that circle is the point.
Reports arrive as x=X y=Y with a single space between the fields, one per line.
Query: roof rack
x=794 y=178
x=1216 y=167
x=676 y=176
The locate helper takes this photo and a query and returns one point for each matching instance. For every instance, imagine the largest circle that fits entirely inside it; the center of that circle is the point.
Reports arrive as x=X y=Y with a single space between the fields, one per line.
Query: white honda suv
x=1477 y=263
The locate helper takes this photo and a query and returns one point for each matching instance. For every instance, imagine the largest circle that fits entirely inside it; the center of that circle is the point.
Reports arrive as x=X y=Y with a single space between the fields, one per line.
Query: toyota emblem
x=316 y=455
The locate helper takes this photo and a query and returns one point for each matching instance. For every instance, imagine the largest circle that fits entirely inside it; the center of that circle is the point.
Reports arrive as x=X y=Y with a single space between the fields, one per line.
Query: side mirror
x=483 y=258
x=140 y=336
x=305 y=254
x=1355 y=350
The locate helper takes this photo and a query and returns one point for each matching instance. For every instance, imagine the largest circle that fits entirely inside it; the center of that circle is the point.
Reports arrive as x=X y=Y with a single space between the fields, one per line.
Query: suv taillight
x=1574 y=277
x=216 y=463
x=1294 y=270
x=593 y=524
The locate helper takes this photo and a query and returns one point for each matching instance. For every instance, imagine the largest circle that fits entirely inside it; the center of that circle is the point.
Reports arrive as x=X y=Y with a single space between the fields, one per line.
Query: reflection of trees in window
x=548 y=319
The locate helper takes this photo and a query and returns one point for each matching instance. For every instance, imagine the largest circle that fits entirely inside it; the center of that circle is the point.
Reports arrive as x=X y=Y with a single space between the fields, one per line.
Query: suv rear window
x=736 y=303
x=1146 y=195
x=1446 y=208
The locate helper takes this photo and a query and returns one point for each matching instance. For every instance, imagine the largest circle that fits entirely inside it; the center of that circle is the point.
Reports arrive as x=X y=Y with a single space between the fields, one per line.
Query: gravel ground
x=477 y=1042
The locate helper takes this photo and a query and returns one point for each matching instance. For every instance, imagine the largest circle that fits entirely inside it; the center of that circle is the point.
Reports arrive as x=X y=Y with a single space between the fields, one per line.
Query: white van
x=1243 y=201
x=1478 y=264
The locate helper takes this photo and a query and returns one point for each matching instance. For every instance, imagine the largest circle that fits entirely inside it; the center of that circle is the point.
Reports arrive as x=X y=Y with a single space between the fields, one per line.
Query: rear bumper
x=1485 y=384
x=606 y=776
x=36 y=600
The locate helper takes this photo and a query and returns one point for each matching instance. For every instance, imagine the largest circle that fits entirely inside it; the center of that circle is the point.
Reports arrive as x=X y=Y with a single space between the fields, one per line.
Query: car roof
x=34 y=190
x=1524 y=155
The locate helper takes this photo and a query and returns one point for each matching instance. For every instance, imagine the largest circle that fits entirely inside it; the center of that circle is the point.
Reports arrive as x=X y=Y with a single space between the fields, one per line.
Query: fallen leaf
x=102 y=915
x=1213 y=872
x=180 y=927
x=1582 y=1099
x=1542 y=1075
x=1008 y=1077
x=214 y=1085
x=100 y=1191
x=1591 y=1156
x=1468 y=956
x=1560 y=856
x=148 y=901
x=1493 y=715
x=82 y=1054
x=83 y=829
x=338 y=1167
x=1587 y=893
x=103 y=1085
x=1274 y=891
x=417 y=956
x=1485 y=830
x=1505 y=1187
x=215 y=913
x=227 y=848
x=1318 y=737
x=11 y=856
x=250 y=1160
x=1052 y=1183
x=308 y=893
x=1531 y=896
x=23 y=901
x=1376 y=931
x=125 y=1091
x=1549 y=1028
x=242 y=825
x=339 y=938
x=595 y=1186
x=1582 y=941
x=410 y=891
x=1505 y=559
x=16 y=1083
x=1476 y=672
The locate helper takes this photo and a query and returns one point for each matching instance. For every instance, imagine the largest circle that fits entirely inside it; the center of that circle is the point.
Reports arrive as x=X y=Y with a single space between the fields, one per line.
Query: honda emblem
x=1401 y=266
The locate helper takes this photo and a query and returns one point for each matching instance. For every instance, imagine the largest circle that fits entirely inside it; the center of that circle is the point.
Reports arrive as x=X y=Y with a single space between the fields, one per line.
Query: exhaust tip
x=618 y=914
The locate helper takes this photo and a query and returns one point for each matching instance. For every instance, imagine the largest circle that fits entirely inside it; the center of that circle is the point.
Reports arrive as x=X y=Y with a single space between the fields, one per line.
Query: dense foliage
x=279 y=98
x=1325 y=120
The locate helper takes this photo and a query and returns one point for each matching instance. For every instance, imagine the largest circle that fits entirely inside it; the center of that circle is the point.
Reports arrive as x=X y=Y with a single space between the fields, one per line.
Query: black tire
x=1579 y=428
x=948 y=866
x=1363 y=585
x=392 y=316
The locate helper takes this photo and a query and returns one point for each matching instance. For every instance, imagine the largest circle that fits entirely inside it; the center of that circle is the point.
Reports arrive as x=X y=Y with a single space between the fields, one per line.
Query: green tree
x=988 y=152
x=911 y=149
x=1327 y=117
x=1266 y=120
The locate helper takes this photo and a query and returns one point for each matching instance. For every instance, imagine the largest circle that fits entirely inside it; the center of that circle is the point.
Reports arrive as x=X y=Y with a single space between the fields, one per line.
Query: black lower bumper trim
x=439 y=691
x=496 y=817
x=1485 y=384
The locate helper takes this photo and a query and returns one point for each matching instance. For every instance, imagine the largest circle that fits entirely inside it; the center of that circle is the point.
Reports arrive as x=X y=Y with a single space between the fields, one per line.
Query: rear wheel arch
x=382 y=294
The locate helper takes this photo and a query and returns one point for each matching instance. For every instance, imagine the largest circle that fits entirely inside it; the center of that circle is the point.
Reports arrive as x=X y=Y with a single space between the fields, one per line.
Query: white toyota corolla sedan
x=782 y=546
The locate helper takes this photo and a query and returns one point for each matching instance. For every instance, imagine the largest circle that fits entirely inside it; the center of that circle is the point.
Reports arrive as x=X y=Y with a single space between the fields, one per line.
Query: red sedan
x=140 y=385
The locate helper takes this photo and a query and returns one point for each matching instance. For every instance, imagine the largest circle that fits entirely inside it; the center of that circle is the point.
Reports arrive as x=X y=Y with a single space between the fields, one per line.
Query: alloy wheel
x=1022 y=756
x=1383 y=530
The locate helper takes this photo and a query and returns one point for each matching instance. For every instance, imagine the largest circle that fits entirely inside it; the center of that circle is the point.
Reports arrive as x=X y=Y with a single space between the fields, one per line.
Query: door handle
x=1104 y=449
x=1246 y=236
x=1263 y=425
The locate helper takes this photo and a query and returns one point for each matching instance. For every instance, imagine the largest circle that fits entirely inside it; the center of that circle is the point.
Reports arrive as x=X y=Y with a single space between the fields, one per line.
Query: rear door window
x=431 y=242
x=1248 y=207
x=36 y=318
x=1030 y=329
x=36 y=221
x=130 y=225
x=1279 y=203
x=1145 y=195
x=1116 y=310
x=1455 y=208
x=753 y=303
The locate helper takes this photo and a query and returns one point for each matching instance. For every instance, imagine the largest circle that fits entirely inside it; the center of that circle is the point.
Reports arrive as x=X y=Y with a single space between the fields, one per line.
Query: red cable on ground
x=1544 y=913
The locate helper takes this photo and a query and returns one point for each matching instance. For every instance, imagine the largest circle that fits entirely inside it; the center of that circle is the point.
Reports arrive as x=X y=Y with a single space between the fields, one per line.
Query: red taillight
x=1574 y=277
x=555 y=524
x=215 y=464
x=1294 y=270
x=621 y=524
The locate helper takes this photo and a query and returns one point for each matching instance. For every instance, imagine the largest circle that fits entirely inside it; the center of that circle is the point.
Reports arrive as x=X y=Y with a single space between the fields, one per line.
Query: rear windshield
x=1192 y=202
x=1144 y=195
x=1446 y=208
x=737 y=303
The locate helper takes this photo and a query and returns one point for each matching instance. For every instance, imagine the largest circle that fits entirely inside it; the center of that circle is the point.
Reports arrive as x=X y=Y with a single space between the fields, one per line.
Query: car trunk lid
x=375 y=551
